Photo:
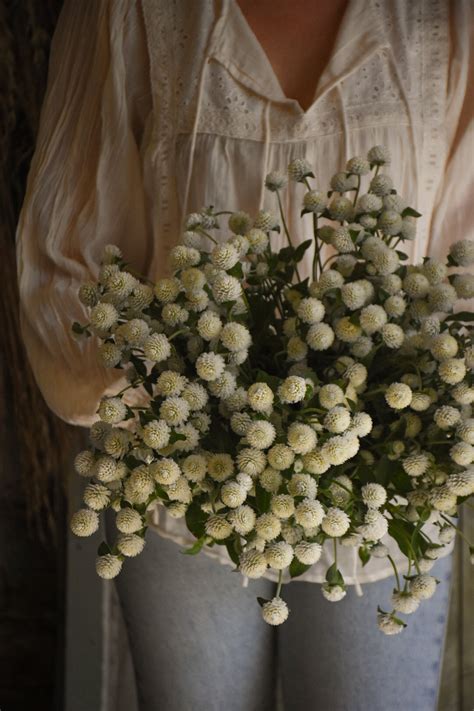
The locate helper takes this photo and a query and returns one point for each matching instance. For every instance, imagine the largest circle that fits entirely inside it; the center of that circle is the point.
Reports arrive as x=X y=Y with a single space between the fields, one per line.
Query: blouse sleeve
x=453 y=218
x=84 y=190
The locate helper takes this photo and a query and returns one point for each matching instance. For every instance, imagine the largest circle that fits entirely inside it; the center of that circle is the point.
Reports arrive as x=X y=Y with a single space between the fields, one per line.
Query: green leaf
x=271 y=380
x=410 y=212
x=132 y=462
x=382 y=471
x=401 y=255
x=149 y=388
x=261 y=601
x=462 y=316
x=176 y=437
x=334 y=576
x=301 y=249
x=297 y=568
x=103 y=549
x=364 y=555
x=196 y=519
x=263 y=498
x=196 y=547
x=231 y=546
x=236 y=271
x=402 y=533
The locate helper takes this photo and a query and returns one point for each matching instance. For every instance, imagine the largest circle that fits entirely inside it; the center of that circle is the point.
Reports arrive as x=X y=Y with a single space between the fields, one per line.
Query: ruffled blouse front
x=157 y=108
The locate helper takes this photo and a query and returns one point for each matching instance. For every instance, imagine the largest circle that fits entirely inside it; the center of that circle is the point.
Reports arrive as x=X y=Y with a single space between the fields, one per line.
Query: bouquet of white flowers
x=280 y=413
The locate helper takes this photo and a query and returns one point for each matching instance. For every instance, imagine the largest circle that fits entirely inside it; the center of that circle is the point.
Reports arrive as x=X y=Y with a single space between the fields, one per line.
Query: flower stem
x=395 y=570
x=285 y=227
x=280 y=581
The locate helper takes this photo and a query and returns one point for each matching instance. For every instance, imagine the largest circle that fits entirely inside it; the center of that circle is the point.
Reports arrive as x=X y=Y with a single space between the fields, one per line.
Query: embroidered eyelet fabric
x=160 y=107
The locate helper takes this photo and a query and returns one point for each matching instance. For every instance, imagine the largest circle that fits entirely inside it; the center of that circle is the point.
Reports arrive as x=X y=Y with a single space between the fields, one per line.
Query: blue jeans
x=198 y=642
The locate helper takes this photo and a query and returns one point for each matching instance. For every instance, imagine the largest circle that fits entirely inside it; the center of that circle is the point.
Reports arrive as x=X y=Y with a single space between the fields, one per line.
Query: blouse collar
x=236 y=47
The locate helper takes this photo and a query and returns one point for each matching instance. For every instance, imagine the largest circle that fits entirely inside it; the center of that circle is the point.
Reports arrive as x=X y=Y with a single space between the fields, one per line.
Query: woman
x=158 y=108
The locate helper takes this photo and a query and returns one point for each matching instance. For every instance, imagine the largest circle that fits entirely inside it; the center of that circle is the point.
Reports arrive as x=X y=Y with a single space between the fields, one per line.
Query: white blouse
x=160 y=107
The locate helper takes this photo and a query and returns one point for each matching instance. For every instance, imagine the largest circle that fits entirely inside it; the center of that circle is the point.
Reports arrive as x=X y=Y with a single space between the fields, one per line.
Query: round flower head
x=226 y=288
x=252 y=563
x=128 y=521
x=320 y=337
x=108 y=566
x=309 y=513
x=422 y=587
x=337 y=420
x=233 y=494
x=314 y=201
x=235 y=337
x=310 y=310
x=452 y=370
x=84 y=463
x=333 y=593
x=347 y=331
x=405 y=602
x=240 y=223
x=242 y=519
x=218 y=527
x=96 y=496
x=398 y=396
x=342 y=182
x=462 y=453
x=130 y=545
x=340 y=490
x=170 y=383
x=220 y=466
x=373 y=495
x=109 y=354
x=302 y=485
x=372 y=318
x=292 y=390
x=341 y=240
x=331 y=395
x=299 y=169
x=369 y=203
x=224 y=256
x=462 y=252
x=258 y=241
x=251 y=461
x=340 y=208
x=358 y=166
x=174 y=411
x=260 y=434
x=390 y=222
x=157 y=348
x=210 y=366
x=416 y=464
x=270 y=479
x=275 y=611
x=392 y=335
x=275 y=181
x=461 y=483
x=260 y=397
x=301 y=438
x=464 y=285
x=381 y=184
x=308 y=553
x=353 y=295
x=315 y=462
x=266 y=221
x=84 y=522
x=297 y=349
x=378 y=155
x=282 y=506
x=335 y=523
x=268 y=526
x=112 y=410
x=279 y=554
x=442 y=499
x=375 y=526
x=388 y=624
x=103 y=317
x=281 y=457
x=165 y=471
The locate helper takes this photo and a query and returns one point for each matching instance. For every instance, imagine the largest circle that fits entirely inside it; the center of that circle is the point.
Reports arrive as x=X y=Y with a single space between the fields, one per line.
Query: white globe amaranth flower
x=461 y=483
x=110 y=354
x=103 y=317
x=390 y=222
x=462 y=252
x=444 y=347
x=340 y=208
x=302 y=485
x=156 y=434
x=315 y=201
x=220 y=466
x=330 y=279
x=252 y=563
x=275 y=181
x=174 y=411
x=463 y=394
x=266 y=221
x=106 y=469
x=88 y=294
x=96 y=496
x=235 y=337
x=422 y=587
x=195 y=395
x=346 y=330
x=218 y=527
x=361 y=424
x=340 y=490
x=373 y=495
x=416 y=285
x=341 y=240
x=420 y=402
x=182 y=257
x=331 y=395
x=139 y=486
x=299 y=169
x=308 y=553
x=112 y=410
x=395 y=306
x=260 y=397
x=292 y=389
x=464 y=285
x=379 y=155
x=362 y=347
x=398 y=396
x=309 y=513
x=375 y=525
x=224 y=256
x=340 y=448
x=452 y=370
x=405 y=602
x=442 y=499
x=301 y=438
x=224 y=386
x=133 y=332
x=157 y=348
x=296 y=349
x=388 y=624
x=84 y=522
x=358 y=166
x=336 y=522
x=210 y=366
x=251 y=461
x=242 y=519
x=342 y=182
x=310 y=310
x=209 y=325
x=275 y=611
x=280 y=457
x=369 y=203
x=260 y=434
x=278 y=554
x=165 y=471
x=392 y=335
x=394 y=202
x=333 y=593
x=462 y=453
x=174 y=314
x=268 y=526
x=226 y=288
x=446 y=417
x=194 y=467
x=128 y=520
x=240 y=422
x=270 y=479
x=315 y=462
x=416 y=464
x=258 y=241
x=84 y=463
x=442 y=297
x=381 y=184
x=170 y=383
x=240 y=222
x=108 y=566
x=337 y=420
x=180 y=490
x=372 y=318
x=233 y=494
x=320 y=337
x=353 y=295
x=130 y=545
x=282 y=506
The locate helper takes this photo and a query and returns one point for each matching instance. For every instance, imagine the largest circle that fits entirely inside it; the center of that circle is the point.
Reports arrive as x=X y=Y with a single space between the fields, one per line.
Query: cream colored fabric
x=155 y=108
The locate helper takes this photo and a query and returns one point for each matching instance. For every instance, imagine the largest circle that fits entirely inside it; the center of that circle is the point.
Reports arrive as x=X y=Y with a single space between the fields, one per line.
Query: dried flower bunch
x=279 y=412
